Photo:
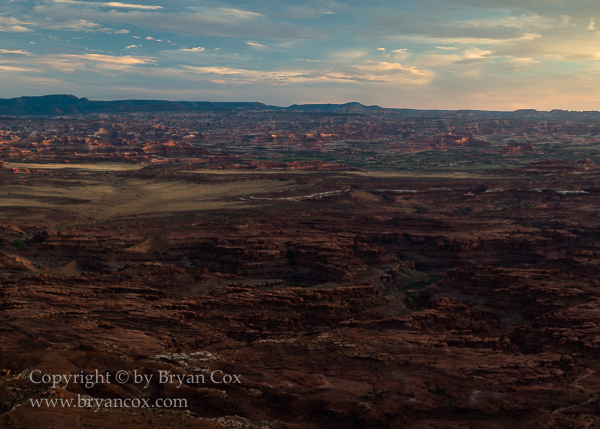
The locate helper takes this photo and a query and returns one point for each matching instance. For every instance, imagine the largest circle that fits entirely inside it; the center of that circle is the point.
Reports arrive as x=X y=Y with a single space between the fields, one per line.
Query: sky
x=426 y=54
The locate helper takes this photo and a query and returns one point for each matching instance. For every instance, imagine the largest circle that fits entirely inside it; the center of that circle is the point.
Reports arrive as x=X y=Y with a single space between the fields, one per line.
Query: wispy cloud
x=255 y=45
x=110 y=4
x=223 y=22
x=72 y=63
x=236 y=13
x=9 y=24
x=17 y=69
x=381 y=72
x=80 y=25
x=476 y=53
x=385 y=67
x=349 y=54
x=18 y=52
x=197 y=49
x=309 y=10
x=527 y=21
x=249 y=75
x=124 y=59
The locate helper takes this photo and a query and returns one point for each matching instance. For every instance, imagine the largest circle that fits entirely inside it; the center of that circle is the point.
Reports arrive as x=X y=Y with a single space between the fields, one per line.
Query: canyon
x=354 y=270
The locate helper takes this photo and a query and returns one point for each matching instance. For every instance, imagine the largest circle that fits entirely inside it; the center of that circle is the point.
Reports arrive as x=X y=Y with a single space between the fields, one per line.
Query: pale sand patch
x=72 y=269
x=148 y=246
x=415 y=174
x=365 y=196
x=131 y=196
x=235 y=171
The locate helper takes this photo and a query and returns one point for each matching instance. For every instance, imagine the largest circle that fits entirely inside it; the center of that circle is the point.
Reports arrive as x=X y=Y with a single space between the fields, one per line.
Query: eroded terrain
x=343 y=294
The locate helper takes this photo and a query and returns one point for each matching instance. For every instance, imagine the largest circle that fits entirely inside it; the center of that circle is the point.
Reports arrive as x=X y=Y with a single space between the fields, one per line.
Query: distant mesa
x=471 y=141
x=65 y=104
x=526 y=111
x=353 y=107
x=514 y=148
x=586 y=164
x=53 y=105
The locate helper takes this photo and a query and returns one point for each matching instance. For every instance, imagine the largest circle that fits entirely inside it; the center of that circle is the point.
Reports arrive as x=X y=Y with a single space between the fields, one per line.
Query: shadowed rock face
x=340 y=298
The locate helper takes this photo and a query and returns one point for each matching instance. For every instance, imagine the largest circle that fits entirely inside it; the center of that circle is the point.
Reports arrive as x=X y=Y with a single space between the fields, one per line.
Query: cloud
x=9 y=24
x=525 y=61
x=581 y=5
x=400 y=54
x=439 y=22
x=476 y=53
x=17 y=69
x=231 y=12
x=386 y=68
x=526 y=21
x=529 y=29
x=381 y=49
x=564 y=45
x=202 y=57
x=110 y=4
x=124 y=59
x=72 y=63
x=310 y=10
x=198 y=49
x=381 y=72
x=15 y=29
x=223 y=22
x=81 y=25
x=133 y=46
x=468 y=40
x=249 y=75
x=349 y=54
x=255 y=45
x=7 y=51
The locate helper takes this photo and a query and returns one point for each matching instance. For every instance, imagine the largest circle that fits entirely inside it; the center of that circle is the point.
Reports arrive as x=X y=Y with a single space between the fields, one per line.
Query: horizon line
x=373 y=106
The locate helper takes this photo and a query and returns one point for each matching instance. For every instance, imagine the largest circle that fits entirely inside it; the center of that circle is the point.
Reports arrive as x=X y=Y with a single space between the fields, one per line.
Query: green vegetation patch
x=20 y=245
x=422 y=283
